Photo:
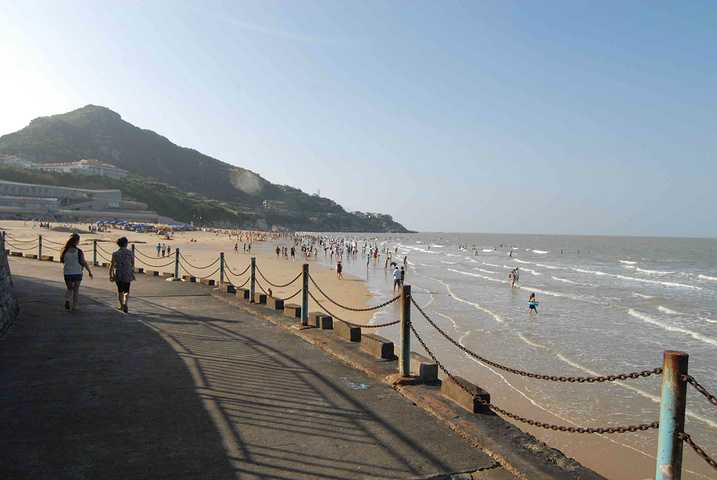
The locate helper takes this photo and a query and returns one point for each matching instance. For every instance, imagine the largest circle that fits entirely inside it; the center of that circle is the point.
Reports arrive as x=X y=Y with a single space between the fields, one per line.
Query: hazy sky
x=529 y=117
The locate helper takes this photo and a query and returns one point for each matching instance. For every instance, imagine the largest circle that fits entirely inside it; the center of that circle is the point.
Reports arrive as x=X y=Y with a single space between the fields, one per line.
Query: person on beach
x=278 y=251
x=512 y=278
x=236 y=248
x=73 y=261
x=532 y=304
x=396 y=279
x=122 y=272
x=516 y=275
x=339 y=269
x=164 y=249
x=169 y=250
x=159 y=248
x=403 y=275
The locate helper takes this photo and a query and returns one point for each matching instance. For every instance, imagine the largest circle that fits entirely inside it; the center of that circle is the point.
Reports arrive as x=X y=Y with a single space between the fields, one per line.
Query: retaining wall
x=8 y=303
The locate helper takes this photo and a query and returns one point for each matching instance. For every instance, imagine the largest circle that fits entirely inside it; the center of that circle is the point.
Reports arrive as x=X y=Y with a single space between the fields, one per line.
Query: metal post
x=39 y=247
x=252 y=283
x=176 y=263
x=305 y=294
x=2 y=244
x=404 y=362
x=672 y=416
x=94 y=260
x=133 y=252
x=221 y=268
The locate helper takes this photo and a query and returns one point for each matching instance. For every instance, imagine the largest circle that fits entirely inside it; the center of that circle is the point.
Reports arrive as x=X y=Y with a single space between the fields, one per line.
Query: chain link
x=553 y=378
x=194 y=266
x=18 y=240
x=229 y=270
x=353 y=309
x=289 y=298
x=8 y=244
x=535 y=423
x=273 y=284
x=346 y=321
x=688 y=440
x=690 y=379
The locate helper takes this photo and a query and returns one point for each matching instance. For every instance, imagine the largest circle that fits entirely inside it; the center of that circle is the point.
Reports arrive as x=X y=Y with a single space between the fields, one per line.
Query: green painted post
x=176 y=263
x=404 y=362
x=39 y=247
x=252 y=283
x=221 y=268
x=94 y=259
x=305 y=294
x=672 y=416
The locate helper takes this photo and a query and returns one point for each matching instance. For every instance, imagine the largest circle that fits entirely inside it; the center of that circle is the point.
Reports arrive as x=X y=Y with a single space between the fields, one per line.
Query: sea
x=607 y=305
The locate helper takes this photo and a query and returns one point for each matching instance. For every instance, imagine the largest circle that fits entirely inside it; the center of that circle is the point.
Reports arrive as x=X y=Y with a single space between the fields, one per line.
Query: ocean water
x=608 y=305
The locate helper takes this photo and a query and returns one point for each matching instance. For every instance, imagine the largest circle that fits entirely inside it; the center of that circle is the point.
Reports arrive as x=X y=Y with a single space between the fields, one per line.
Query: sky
x=565 y=117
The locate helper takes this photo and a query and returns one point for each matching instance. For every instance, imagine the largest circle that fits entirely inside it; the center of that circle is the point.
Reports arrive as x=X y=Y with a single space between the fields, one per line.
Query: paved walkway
x=187 y=386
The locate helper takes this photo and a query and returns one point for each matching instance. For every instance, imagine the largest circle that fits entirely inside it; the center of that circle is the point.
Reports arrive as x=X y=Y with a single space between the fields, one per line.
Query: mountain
x=98 y=132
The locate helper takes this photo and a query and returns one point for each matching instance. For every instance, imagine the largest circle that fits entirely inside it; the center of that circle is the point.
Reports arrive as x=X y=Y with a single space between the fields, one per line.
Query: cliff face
x=97 y=132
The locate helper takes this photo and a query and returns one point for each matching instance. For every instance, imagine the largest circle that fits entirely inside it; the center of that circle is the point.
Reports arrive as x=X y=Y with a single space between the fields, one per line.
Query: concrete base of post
x=208 y=281
x=189 y=278
x=459 y=395
x=275 y=303
x=377 y=346
x=47 y=258
x=346 y=331
x=293 y=310
x=321 y=320
x=243 y=293
x=167 y=275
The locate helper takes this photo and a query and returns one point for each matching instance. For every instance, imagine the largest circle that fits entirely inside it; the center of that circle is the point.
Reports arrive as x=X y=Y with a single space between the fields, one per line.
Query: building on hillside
x=271 y=206
x=88 y=166
x=17 y=161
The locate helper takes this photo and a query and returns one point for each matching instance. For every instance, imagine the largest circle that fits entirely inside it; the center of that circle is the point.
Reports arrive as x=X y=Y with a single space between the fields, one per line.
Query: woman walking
x=122 y=272
x=74 y=263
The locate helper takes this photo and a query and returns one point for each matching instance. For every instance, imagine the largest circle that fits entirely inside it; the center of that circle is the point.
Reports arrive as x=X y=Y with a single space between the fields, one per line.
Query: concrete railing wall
x=8 y=303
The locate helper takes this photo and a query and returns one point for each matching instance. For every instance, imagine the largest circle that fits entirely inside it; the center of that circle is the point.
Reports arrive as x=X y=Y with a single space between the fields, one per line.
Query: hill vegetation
x=174 y=181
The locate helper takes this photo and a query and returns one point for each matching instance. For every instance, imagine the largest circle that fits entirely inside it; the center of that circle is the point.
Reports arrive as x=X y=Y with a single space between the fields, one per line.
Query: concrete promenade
x=187 y=386
x=196 y=384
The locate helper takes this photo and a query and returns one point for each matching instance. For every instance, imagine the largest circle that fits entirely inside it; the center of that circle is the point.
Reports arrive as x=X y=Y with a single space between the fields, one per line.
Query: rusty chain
x=553 y=378
x=154 y=266
x=535 y=423
x=236 y=275
x=256 y=281
x=289 y=298
x=688 y=440
x=182 y=257
x=353 y=309
x=346 y=321
x=8 y=244
x=245 y=282
x=19 y=240
x=275 y=285
x=691 y=380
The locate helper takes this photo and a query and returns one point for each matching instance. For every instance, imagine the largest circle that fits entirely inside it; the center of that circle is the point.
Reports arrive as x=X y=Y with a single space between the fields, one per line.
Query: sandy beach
x=200 y=259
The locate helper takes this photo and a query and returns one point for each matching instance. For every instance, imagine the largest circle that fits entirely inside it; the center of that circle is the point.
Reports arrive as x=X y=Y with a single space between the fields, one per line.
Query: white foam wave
x=491 y=264
x=521 y=261
x=629 y=262
x=477 y=306
x=674 y=312
x=478 y=276
x=487 y=249
x=530 y=270
x=540 y=251
x=625 y=386
x=672 y=328
x=565 y=280
x=449 y=263
x=485 y=271
x=646 y=297
x=551 y=267
x=707 y=277
x=669 y=311
x=643 y=280
x=653 y=272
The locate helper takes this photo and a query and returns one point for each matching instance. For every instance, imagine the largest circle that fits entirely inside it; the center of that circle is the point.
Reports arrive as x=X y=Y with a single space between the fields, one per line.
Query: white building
x=89 y=166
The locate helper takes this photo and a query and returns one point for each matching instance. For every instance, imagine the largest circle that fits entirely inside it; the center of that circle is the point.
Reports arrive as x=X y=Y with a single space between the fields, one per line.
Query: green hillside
x=162 y=170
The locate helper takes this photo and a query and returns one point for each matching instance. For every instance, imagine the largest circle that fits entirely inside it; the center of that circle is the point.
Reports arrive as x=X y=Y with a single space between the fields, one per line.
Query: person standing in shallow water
x=532 y=304
x=122 y=272
x=73 y=261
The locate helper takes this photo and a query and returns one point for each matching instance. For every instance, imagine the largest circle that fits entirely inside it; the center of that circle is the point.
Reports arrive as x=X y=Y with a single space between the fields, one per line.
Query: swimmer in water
x=531 y=304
